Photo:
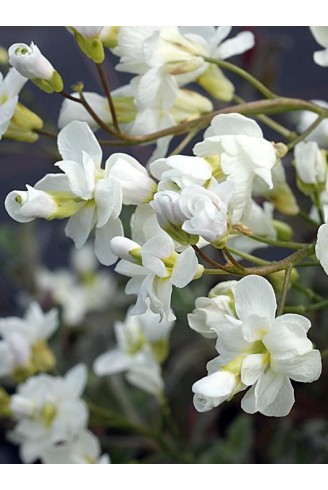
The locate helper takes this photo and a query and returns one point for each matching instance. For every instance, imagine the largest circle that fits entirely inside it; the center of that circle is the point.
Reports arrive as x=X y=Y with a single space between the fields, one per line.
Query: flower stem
x=209 y=260
x=105 y=84
x=242 y=74
x=284 y=290
x=306 y=133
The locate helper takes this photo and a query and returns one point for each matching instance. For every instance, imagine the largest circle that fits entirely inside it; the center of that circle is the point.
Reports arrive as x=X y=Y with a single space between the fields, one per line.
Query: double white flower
x=154 y=268
x=258 y=350
x=320 y=34
x=242 y=154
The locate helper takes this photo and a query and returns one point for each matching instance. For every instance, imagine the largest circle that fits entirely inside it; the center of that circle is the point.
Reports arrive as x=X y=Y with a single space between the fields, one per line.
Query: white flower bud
x=311 y=166
x=22 y=406
x=213 y=390
x=30 y=62
x=122 y=248
x=25 y=206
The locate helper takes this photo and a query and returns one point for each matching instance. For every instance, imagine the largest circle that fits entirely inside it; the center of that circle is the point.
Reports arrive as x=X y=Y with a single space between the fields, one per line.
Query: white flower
x=10 y=86
x=86 y=193
x=320 y=34
x=320 y=133
x=154 y=268
x=321 y=248
x=137 y=187
x=23 y=348
x=83 y=449
x=49 y=411
x=244 y=154
x=180 y=171
x=142 y=345
x=220 y=302
x=169 y=53
x=260 y=351
x=82 y=290
x=206 y=210
x=310 y=163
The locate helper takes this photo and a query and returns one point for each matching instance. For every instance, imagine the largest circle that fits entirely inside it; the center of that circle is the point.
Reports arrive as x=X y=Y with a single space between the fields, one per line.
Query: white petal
x=306 y=368
x=237 y=45
x=254 y=327
x=286 y=339
x=217 y=384
x=283 y=402
x=321 y=57
x=76 y=379
x=75 y=138
x=185 y=268
x=103 y=238
x=80 y=225
x=267 y=388
x=14 y=82
x=254 y=295
x=53 y=182
x=320 y=34
x=108 y=198
x=81 y=183
x=6 y=359
x=252 y=368
x=321 y=248
x=112 y=362
x=235 y=124
x=147 y=377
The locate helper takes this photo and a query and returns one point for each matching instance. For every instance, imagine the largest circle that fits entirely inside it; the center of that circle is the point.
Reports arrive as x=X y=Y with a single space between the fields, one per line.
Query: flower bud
x=89 y=41
x=216 y=84
x=22 y=125
x=213 y=390
x=126 y=249
x=311 y=167
x=109 y=35
x=30 y=63
x=25 y=206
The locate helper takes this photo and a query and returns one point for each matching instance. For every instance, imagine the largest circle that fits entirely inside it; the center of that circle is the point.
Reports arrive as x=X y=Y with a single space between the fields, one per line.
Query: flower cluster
x=164 y=223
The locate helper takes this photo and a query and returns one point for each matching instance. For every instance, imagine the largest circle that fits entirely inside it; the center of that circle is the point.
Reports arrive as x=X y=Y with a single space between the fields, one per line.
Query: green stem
x=278 y=243
x=284 y=290
x=231 y=259
x=208 y=259
x=250 y=258
x=324 y=353
x=303 y=309
x=106 y=88
x=186 y=140
x=243 y=74
x=317 y=203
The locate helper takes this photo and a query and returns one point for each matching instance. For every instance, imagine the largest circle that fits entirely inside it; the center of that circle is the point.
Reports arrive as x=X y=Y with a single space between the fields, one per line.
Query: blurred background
x=282 y=59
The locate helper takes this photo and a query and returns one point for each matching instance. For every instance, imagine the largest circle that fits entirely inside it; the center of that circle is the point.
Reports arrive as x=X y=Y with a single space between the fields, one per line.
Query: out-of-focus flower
x=82 y=290
x=320 y=133
x=258 y=350
x=23 y=348
x=142 y=345
x=320 y=34
x=311 y=167
x=30 y=63
x=48 y=411
x=10 y=86
x=83 y=449
x=321 y=248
